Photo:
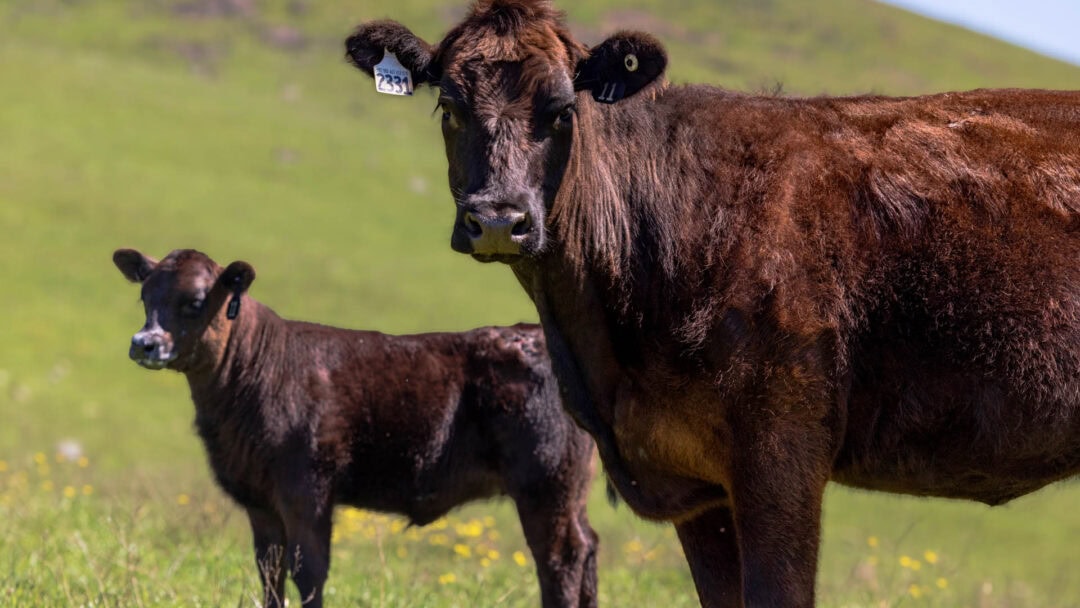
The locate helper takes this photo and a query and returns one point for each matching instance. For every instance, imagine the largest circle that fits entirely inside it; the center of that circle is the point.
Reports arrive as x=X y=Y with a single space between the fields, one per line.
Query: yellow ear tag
x=391 y=77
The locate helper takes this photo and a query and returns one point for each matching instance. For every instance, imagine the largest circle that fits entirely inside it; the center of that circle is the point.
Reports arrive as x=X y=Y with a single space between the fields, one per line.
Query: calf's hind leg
x=564 y=548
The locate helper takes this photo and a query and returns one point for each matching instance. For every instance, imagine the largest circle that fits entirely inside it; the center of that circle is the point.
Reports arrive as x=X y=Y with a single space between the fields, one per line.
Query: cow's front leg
x=712 y=551
x=777 y=488
x=268 y=532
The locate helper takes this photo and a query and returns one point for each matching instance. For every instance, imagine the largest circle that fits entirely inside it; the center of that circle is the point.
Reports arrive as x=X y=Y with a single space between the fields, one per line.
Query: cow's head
x=190 y=302
x=512 y=89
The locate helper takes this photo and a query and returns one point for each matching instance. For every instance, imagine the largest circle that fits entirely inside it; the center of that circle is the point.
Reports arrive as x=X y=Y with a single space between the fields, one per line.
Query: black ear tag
x=609 y=92
x=234 y=306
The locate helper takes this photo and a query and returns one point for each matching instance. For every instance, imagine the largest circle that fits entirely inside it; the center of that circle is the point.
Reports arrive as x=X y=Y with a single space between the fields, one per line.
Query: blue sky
x=1050 y=27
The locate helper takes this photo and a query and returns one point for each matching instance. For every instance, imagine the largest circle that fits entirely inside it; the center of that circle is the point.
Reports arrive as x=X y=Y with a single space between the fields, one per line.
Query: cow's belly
x=956 y=438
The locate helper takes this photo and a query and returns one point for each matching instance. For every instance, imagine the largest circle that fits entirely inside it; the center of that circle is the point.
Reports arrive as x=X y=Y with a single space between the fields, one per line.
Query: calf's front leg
x=307 y=553
x=268 y=533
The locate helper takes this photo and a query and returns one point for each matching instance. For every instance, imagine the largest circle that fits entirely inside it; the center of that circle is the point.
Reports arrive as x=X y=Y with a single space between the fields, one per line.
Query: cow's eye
x=449 y=117
x=564 y=118
x=192 y=308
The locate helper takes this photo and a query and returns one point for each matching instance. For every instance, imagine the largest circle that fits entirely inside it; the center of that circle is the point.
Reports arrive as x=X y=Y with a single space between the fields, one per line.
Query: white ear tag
x=391 y=77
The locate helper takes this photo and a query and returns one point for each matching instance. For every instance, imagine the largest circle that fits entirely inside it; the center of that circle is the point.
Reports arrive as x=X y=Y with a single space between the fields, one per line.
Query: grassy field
x=163 y=124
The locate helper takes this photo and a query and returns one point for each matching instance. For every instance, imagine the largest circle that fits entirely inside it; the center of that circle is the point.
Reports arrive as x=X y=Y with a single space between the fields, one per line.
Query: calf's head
x=512 y=88
x=191 y=304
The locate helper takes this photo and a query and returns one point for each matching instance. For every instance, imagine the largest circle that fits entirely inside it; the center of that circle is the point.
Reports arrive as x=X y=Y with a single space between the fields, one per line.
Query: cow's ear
x=370 y=42
x=621 y=66
x=237 y=277
x=134 y=265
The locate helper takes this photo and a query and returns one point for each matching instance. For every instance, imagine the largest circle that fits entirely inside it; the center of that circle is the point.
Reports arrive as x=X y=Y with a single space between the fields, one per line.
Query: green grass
x=122 y=125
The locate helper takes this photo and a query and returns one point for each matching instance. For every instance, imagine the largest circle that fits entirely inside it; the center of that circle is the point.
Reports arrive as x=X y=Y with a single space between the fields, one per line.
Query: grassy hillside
x=235 y=127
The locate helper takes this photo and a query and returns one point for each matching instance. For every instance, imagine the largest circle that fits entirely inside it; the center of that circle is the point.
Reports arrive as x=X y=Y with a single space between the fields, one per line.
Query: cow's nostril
x=521 y=227
x=148 y=348
x=472 y=226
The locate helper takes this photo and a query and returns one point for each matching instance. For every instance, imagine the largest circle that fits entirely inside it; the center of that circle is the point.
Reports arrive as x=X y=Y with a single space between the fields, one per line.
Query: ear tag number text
x=609 y=92
x=391 y=77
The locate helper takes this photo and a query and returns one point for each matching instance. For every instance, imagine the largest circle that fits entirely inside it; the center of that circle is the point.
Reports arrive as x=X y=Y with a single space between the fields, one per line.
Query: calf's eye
x=192 y=309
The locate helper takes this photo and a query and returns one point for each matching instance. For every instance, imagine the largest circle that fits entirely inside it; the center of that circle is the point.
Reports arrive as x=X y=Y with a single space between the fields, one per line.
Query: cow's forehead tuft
x=531 y=35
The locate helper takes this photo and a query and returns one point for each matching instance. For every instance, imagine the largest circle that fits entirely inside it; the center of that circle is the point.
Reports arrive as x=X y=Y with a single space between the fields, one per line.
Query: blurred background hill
x=236 y=127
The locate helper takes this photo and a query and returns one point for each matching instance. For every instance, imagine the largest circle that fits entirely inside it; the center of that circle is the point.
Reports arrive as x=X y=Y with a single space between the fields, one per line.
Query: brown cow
x=745 y=297
x=298 y=417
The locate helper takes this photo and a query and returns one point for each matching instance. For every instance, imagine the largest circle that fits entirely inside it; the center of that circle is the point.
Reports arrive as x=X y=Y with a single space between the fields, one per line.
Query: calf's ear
x=366 y=47
x=237 y=277
x=134 y=265
x=621 y=66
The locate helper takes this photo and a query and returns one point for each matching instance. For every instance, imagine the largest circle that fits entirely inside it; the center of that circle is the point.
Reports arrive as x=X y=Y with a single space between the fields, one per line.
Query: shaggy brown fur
x=298 y=417
x=746 y=297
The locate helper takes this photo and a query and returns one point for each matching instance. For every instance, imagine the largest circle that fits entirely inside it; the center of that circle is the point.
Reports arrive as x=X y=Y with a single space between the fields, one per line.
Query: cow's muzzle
x=492 y=237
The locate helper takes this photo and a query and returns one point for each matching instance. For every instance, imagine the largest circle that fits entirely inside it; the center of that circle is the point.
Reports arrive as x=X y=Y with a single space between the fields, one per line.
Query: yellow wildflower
x=40 y=458
x=43 y=470
x=3 y=466
x=83 y=462
x=470 y=529
x=872 y=541
x=493 y=555
x=942 y=583
x=916 y=564
x=489 y=521
x=70 y=492
x=905 y=561
x=402 y=553
x=633 y=546
x=485 y=562
x=439 y=539
x=439 y=524
x=87 y=490
x=183 y=499
x=47 y=486
x=915 y=591
x=519 y=558
x=462 y=550
x=447 y=579
x=493 y=535
x=930 y=556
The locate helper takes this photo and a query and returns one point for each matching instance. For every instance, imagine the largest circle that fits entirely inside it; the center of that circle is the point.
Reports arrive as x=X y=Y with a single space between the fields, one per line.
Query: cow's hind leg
x=712 y=550
x=564 y=548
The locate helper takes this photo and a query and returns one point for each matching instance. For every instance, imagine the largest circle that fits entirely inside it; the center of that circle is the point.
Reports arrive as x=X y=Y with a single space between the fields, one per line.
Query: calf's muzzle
x=150 y=349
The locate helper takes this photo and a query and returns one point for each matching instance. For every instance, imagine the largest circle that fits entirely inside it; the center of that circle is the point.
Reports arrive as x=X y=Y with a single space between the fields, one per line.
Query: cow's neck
x=584 y=289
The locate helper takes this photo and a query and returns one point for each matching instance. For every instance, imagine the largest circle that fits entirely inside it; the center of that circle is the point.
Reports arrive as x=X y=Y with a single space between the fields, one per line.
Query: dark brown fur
x=746 y=297
x=298 y=417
